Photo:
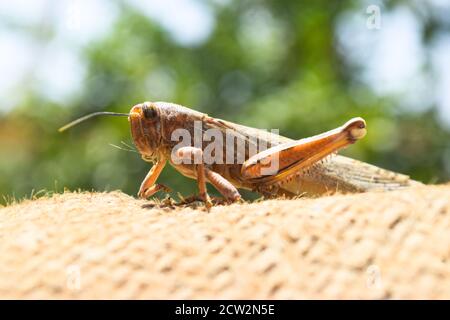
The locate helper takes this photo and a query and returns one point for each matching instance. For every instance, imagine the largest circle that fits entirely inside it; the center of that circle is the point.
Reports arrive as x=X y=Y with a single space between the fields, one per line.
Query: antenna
x=91 y=115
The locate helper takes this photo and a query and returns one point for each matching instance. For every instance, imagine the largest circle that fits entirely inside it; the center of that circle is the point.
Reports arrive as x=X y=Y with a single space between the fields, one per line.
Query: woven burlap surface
x=110 y=245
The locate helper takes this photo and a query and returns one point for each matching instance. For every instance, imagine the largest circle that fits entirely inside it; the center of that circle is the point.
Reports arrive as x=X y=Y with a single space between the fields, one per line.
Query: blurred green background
x=300 y=66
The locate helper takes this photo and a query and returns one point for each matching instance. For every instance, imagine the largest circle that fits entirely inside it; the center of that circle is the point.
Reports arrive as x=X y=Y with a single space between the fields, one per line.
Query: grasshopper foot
x=146 y=193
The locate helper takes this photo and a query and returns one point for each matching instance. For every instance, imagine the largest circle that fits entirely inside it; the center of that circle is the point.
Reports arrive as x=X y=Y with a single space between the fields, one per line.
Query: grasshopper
x=283 y=167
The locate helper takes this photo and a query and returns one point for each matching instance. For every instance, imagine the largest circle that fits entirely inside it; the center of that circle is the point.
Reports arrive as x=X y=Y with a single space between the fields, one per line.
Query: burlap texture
x=110 y=245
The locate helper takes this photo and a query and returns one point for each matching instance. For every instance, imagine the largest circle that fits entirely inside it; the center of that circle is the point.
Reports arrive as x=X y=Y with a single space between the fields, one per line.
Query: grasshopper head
x=145 y=121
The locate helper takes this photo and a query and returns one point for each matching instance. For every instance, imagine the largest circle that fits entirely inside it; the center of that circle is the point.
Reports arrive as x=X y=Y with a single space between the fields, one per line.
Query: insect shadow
x=193 y=202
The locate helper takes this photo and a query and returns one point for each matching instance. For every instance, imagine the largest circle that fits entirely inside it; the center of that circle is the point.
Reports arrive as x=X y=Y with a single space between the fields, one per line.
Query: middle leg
x=191 y=153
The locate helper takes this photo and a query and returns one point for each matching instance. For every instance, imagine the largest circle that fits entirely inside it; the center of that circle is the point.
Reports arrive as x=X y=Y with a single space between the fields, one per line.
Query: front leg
x=148 y=186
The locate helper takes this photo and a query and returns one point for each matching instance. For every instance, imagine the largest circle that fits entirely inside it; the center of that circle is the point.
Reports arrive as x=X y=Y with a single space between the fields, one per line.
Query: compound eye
x=149 y=111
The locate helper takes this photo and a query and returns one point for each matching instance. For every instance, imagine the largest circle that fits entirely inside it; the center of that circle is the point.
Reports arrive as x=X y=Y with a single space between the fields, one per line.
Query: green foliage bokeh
x=294 y=79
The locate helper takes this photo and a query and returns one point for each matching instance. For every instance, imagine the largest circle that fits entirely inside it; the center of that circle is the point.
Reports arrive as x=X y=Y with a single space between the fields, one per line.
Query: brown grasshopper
x=282 y=167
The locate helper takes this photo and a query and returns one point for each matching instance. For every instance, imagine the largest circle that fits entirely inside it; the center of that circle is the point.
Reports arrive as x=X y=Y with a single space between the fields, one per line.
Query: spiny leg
x=282 y=161
x=148 y=186
x=191 y=154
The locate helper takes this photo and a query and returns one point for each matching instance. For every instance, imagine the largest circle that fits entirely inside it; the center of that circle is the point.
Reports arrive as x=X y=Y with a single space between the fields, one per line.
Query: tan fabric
x=106 y=245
